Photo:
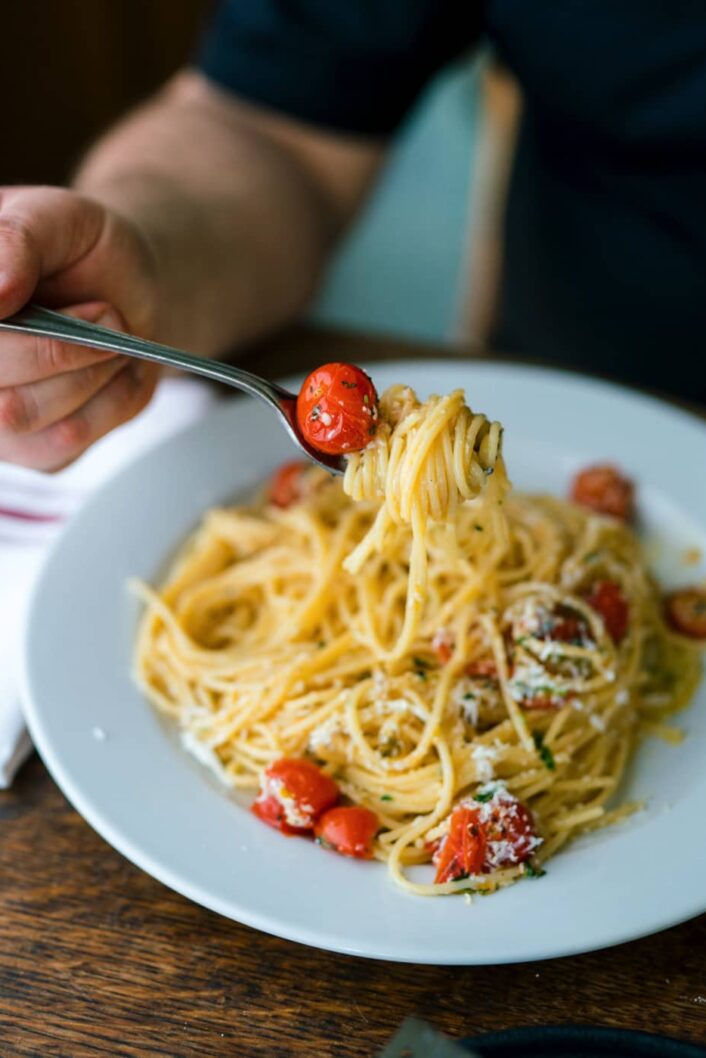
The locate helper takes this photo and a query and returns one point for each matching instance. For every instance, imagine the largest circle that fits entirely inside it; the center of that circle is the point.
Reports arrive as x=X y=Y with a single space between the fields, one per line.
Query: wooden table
x=96 y=958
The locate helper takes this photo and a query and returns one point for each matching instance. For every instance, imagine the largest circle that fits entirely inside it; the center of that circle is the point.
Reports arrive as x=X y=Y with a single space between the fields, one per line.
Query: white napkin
x=34 y=508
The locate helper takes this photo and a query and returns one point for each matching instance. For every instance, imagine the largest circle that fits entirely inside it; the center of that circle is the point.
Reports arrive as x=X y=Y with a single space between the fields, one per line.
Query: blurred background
x=72 y=67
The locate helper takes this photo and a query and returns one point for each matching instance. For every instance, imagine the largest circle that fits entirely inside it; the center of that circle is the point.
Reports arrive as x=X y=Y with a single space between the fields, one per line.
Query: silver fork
x=47 y=324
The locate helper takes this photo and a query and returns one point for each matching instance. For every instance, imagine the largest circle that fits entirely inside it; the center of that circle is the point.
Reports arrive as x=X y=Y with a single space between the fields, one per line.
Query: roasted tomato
x=485 y=836
x=286 y=484
x=482 y=667
x=510 y=832
x=685 y=611
x=443 y=645
x=349 y=830
x=568 y=628
x=604 y=489
x=607 y=599
x=294 y=794
x=462 y=851
x=337 y=409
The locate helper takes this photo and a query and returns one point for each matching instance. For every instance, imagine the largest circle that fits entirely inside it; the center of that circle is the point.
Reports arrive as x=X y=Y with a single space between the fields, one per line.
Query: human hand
x=69 y=253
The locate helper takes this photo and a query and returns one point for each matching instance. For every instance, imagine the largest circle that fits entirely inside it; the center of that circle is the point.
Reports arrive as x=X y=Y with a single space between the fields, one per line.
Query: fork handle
x=33 y=319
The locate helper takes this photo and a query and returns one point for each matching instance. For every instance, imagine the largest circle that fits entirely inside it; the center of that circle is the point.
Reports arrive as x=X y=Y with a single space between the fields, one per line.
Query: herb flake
x=545 y=754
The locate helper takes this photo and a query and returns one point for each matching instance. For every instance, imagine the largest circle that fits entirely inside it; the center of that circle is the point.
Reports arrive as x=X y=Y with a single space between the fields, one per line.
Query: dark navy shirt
x=605 y=256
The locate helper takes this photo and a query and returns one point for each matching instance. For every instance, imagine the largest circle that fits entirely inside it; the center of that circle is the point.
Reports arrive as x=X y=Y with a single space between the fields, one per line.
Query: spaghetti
x=454 y=656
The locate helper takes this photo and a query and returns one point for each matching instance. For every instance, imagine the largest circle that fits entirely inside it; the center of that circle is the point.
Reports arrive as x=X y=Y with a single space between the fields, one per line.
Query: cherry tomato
x=482 y=667
x=462 y=851
x=510 y=833
x=337 y=409
x=685 y=611
x=286 y=484
x=543 y=701
x=294 y=793
x=485 y=837
x=604 y=489
x=606 y=598
x=568 y=629
x=443 y=646
x=349 y=830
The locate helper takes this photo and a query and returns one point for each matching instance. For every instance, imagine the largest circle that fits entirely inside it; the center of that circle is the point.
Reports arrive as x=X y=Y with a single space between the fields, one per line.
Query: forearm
x=240 y=217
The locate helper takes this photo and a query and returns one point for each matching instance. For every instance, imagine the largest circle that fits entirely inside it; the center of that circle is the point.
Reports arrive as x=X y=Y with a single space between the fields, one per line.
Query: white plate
x=159 y=808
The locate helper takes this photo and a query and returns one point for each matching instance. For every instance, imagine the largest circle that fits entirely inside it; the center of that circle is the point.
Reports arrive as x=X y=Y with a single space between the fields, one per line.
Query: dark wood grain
x=97 y=959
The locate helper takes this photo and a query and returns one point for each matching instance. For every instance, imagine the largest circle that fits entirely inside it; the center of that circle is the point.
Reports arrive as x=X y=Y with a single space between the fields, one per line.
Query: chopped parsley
x=470 y=697
x=386 y=797
x=421 y=667
x=520 y=640
x=545 y=754
x=483 y=796
x=533 y=872
x=478 y=528
x=590 y=556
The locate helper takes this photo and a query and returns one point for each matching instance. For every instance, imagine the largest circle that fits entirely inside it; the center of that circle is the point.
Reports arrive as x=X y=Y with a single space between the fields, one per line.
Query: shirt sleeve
x=352 y=66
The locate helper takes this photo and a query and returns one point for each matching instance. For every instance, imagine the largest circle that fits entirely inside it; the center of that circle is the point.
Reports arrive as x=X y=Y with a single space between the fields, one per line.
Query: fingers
x=54 y=447
x=30 y=408
x=43 y=230
x=25 y=358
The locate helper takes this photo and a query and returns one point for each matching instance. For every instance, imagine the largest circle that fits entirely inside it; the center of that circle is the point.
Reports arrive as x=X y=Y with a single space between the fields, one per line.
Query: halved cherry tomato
x=499 y=833
x=349 y=830
x=294 y=794
x=443 y=645
x=482 y=667
x=685 y=611
x=510 y=833
x=604 y=489
x=337 y=409
x=607 y=599
x=543 y=702
x=462 y=851
x=286 y=484
x=568 y=628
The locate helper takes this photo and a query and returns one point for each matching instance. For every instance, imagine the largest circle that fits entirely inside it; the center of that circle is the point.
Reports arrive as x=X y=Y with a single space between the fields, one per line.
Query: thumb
x=99 y=312
x=42 y=232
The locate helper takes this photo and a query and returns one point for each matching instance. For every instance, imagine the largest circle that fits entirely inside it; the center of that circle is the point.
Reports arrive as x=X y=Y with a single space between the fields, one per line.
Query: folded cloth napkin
x=35 y=507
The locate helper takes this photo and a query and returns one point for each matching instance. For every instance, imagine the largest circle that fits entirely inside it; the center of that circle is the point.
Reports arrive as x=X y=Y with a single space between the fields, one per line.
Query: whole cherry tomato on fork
x=337 y=409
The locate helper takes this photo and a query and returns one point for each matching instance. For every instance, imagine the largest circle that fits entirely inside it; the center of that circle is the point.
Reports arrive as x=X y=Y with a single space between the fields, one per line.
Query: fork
x=45 y=323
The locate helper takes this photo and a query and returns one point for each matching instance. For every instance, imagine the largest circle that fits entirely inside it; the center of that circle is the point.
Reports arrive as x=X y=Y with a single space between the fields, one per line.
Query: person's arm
x=199 y=221
x=241 y=207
